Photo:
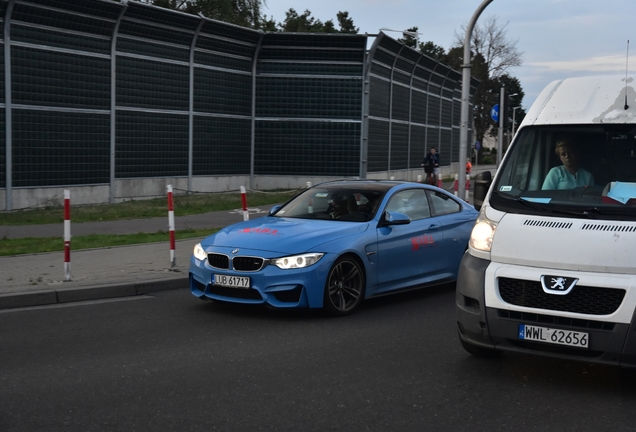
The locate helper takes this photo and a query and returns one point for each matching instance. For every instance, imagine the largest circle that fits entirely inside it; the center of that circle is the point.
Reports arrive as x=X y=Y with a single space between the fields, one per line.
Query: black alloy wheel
x=344 y=289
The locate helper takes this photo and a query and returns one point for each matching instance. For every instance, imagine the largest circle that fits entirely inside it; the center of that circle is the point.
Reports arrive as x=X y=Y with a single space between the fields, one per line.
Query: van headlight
x=199 y=253
x=483 y=232
x=297 y=261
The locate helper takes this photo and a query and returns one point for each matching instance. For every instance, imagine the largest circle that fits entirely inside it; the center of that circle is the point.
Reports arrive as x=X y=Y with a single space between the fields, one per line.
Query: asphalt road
x=170 y=362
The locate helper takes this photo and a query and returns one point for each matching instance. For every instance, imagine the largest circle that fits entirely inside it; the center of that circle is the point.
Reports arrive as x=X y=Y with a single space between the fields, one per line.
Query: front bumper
x=297 y=288
x=497 y=327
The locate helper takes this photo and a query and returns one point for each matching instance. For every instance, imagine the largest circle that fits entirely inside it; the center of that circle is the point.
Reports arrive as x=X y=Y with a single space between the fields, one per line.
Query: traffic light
x=507 y=113
x=507 y=110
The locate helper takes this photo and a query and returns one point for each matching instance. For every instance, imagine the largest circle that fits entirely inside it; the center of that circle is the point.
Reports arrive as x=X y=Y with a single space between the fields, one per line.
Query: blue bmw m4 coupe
x=335 y=244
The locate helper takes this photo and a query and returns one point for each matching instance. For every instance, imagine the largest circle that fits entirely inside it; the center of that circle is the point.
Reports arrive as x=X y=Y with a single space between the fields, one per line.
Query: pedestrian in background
x=431 y=164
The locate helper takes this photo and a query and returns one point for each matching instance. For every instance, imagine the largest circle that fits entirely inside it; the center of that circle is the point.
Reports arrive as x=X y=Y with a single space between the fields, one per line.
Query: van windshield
x=575 y=171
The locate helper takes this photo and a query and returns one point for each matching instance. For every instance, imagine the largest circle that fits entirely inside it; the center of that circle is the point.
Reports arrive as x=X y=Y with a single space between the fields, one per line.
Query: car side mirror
x=395 y=218
x=274 y=209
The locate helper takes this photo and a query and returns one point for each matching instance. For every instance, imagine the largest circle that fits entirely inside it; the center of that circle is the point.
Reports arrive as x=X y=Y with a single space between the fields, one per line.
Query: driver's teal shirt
x=560 y=178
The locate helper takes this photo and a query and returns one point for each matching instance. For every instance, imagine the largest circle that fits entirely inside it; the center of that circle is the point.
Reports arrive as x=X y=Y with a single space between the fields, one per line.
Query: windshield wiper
x=538 y=206
x=532 y=204
x=592 y=212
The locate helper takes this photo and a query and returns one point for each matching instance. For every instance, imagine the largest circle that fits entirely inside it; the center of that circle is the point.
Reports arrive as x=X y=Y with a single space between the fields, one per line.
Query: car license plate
x=554 y=336
x=232 y=281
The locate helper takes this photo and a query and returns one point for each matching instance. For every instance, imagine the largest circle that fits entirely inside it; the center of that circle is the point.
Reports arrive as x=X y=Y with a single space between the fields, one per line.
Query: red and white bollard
x=246 y=215
x=456 y=184
x=440 y=184
x=67 y=234
x=173 y=260
x=467 y=187
x=419 y=178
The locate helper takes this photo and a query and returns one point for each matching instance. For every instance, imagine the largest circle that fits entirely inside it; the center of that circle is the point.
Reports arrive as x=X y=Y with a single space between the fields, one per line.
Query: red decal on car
x=417 y=242
x=259 y=231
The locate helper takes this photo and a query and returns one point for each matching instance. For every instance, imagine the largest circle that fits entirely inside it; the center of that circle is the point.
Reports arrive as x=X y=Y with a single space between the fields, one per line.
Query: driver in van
x=569 y=175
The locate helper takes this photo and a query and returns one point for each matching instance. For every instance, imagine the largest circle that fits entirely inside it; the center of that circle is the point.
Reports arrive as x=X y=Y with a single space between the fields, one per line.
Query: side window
x=443 y=204
x=411 y=202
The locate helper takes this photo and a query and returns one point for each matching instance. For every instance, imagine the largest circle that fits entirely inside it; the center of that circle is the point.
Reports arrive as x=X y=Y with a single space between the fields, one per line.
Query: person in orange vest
x=469 y=167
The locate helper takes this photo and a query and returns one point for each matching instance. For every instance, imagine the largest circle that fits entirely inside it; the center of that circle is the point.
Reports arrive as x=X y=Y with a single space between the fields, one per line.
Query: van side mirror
x=481 y=182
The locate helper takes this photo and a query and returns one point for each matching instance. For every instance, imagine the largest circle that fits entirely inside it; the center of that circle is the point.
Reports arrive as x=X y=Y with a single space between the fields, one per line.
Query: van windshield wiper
x=596 y=211
x=532 y=204
x=590 y=212
x=538 y=206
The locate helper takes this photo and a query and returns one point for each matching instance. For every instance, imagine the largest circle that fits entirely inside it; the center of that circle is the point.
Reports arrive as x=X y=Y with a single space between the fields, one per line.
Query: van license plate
x=232 y=281
x=554 y=336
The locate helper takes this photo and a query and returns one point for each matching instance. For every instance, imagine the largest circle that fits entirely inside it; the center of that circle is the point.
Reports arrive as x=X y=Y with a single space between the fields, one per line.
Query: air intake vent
x=219 y=260
x=547 y=224
x=608 y=227
x=582 y=299
x=246 y=263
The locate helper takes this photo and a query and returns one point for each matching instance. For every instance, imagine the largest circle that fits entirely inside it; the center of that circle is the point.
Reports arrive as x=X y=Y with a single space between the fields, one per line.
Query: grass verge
x=141 y=209
x=32 y=245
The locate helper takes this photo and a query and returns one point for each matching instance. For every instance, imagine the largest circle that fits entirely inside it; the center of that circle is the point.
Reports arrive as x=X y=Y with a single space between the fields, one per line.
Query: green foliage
x=488 y=160
x=434 y=51
x=306 y=23
x=346 y=23
x=248 y=13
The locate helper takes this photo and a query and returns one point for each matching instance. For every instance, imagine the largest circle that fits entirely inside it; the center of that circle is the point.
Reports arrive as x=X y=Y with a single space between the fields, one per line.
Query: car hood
x=282 y=235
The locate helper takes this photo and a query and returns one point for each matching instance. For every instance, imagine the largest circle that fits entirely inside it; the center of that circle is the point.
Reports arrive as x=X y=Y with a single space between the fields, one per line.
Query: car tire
x=479 y=351
x=344 y=289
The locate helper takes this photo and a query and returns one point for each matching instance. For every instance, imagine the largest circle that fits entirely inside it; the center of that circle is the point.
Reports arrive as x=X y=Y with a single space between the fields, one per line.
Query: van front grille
x=582 y=299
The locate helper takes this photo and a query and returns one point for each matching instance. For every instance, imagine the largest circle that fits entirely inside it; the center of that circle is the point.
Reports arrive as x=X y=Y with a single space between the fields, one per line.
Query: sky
x=557 y=38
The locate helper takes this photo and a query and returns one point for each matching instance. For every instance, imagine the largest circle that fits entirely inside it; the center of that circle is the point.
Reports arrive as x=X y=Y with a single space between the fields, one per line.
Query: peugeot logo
x=235 y=251
x=558 y=285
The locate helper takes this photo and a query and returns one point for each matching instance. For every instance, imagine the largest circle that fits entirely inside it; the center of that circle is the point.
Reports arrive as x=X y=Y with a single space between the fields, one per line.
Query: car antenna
x=626 y=70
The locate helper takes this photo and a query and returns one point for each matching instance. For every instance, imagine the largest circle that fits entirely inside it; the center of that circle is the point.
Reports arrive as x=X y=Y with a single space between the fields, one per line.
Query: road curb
x=68 y=295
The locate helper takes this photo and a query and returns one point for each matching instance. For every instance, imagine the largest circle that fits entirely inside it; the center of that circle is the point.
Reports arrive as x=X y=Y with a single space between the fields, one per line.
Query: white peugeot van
x=551 y=265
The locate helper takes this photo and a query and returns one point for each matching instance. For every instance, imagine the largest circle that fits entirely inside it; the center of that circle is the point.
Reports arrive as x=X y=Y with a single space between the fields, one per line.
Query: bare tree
x=491 y=42
x=494 y=54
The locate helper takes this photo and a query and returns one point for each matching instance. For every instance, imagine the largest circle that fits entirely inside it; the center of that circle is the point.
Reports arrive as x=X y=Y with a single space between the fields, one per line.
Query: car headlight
x=483 y=232
x=297 y=261
x=199 y=253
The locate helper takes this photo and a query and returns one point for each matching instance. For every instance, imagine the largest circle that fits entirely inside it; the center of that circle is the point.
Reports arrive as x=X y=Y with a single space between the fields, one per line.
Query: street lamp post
x=463 y=131
x=410 y=33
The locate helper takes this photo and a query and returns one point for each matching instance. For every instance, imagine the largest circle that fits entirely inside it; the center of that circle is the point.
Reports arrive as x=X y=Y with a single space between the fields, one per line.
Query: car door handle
x=434 y=227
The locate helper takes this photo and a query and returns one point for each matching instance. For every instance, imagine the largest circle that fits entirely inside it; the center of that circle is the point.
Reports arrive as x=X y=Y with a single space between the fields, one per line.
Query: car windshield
x=343 y=202
x=580 y=171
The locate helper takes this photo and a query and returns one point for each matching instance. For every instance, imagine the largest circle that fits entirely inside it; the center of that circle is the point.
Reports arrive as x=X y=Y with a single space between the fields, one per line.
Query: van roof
x=585 y=100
